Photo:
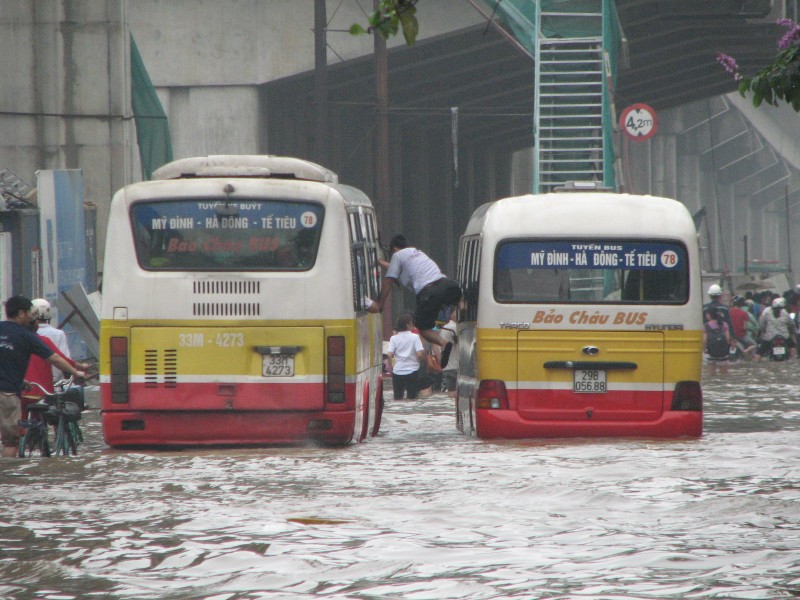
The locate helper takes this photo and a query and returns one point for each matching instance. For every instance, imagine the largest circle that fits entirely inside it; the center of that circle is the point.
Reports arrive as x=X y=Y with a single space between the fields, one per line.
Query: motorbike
x=777 y=349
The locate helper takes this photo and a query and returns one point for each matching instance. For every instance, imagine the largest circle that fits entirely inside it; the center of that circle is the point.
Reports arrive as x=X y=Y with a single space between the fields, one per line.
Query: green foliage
x=391 y=17
x=778 y=82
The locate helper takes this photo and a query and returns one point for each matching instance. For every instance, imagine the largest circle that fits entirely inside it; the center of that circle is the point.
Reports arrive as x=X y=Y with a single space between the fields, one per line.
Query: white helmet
x=43 y=306
x=779 y=303
x=714 y=290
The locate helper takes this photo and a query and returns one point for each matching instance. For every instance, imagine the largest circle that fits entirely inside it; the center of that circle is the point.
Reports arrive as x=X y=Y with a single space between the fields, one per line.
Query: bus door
x=595 y=342
x=590 y=375
x=230 y=367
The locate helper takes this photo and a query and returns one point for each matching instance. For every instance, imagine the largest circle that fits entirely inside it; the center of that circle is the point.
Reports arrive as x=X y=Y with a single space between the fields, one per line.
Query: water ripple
x=422 y=512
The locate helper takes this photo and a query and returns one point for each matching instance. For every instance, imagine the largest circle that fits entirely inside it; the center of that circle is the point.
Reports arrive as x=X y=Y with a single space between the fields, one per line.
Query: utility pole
x=321 y=83
x=382 y=193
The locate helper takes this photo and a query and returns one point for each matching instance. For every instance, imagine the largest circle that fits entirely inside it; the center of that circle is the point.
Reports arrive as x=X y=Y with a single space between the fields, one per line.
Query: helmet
x=779 y=303
x=714 y=290
x=43 y=306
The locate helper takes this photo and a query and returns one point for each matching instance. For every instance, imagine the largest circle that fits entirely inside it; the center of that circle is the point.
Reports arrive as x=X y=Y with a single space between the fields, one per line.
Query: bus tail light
x=688 y=396
x=119 y=370
x=335 y=373
x=492 y=394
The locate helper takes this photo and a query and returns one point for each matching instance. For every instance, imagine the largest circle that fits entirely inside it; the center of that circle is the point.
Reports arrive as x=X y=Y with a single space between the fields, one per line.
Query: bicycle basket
x=75 y=396
x=51 y=416
x=72 y=412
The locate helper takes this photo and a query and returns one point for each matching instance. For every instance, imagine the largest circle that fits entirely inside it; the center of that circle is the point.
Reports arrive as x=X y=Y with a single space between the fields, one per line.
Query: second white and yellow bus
x=233 y=307
x=582 y=316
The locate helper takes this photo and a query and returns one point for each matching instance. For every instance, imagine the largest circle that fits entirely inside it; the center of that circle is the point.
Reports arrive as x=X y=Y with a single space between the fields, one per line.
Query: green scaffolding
x=535 y=23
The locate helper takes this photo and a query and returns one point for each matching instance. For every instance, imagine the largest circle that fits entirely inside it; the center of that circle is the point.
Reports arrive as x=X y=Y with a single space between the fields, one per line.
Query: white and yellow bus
x=233 y=307
x=582 y=316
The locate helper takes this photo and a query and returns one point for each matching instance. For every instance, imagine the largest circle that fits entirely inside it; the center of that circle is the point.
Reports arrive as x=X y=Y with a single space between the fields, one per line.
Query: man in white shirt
x=415 y=270
x=58 y=337
x=448 y=333
x=406 y=352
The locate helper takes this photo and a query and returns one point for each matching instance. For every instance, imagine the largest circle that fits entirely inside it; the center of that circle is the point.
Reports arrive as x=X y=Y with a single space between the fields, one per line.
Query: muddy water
x=422 y=512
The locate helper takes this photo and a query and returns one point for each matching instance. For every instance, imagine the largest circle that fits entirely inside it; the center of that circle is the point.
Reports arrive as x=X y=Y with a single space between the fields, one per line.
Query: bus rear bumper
x=507 y=424
x=213 y=428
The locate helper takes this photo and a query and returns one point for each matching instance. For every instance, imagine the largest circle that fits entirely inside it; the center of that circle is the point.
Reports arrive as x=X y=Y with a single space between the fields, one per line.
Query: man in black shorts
x=17 y=343
x=413 y=269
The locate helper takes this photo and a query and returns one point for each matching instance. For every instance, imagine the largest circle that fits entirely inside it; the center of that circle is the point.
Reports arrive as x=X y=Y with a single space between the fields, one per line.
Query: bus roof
x=245 y=165
x=582 y=213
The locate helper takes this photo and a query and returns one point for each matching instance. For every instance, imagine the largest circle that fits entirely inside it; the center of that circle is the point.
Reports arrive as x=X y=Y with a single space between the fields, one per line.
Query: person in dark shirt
x=17 y=343
x=715 y=302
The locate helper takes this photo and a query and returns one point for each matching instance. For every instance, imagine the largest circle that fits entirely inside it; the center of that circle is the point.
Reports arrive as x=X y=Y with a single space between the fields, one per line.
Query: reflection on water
x=422 y=512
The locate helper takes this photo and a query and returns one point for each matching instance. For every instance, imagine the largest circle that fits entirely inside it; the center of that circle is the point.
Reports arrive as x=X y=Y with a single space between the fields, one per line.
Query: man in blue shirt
x=17 y=343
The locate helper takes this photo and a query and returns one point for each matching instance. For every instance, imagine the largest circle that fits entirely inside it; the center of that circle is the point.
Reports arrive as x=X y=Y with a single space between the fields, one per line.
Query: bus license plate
x=589 y=381
x=277 y=365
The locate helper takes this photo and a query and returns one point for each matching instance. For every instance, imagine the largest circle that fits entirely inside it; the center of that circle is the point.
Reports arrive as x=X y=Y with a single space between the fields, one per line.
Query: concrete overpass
x=698 y=156
x=237 y=77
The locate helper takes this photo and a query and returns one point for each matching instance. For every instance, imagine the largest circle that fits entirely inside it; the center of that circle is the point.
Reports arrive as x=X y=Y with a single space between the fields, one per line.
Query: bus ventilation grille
x=168 y=366
x=224 y=307
x=226 y=287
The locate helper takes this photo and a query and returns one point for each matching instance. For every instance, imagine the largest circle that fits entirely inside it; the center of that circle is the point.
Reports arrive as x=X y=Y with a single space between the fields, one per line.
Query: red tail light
x=492 y=394
x=335 y=374
x=119 y=370
x=688 y=396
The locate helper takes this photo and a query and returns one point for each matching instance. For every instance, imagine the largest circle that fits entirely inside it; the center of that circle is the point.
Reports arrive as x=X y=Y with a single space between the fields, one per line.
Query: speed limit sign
x=638 y=122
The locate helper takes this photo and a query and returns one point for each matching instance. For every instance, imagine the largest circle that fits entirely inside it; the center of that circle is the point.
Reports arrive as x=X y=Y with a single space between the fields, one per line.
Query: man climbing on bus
x=415 y=270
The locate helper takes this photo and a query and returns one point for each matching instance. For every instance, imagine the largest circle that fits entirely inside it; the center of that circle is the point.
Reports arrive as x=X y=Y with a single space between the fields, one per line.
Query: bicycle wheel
x=77 y=434
x=34 y=442
x=61 y=445
x=73 y=437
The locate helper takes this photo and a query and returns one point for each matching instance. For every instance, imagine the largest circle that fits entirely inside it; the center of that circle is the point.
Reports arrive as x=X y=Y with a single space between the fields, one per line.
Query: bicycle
x=34 y=441
x=61 y=409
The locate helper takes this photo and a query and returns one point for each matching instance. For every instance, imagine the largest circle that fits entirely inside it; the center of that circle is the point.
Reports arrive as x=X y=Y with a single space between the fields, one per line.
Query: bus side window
x=364 y=257
x=468 y=274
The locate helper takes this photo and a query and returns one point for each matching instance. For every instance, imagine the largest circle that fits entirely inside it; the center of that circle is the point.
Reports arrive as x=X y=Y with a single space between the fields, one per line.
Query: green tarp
x=152 y=127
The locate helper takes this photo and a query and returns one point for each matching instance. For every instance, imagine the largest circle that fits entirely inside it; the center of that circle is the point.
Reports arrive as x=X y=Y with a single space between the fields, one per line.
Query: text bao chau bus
x=582 y=316
x=233 y=307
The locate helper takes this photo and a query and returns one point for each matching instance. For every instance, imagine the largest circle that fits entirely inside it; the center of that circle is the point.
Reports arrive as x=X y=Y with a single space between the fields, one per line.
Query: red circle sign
x=638 y=122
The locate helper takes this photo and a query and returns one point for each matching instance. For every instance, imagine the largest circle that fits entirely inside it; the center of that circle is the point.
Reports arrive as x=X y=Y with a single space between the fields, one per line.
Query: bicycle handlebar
x=61 y=384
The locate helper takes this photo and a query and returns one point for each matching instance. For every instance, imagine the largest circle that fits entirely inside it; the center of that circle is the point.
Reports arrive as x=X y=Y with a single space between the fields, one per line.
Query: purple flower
x=792 y=36
x=730 y=65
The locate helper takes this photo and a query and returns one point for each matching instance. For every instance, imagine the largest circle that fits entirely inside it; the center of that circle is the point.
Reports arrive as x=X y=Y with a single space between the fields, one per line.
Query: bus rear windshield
x=600 y=272
x=210 y=234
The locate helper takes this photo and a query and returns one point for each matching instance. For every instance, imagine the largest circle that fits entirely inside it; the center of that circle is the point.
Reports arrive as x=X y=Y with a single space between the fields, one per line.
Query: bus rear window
x=600 y=272
x=209 y=234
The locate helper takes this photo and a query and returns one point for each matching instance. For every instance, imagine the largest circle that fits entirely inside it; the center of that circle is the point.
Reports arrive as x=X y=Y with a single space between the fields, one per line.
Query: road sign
x=638 y=122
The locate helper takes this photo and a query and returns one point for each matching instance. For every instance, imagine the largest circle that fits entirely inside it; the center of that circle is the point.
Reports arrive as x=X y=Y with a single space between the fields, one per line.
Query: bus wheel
x=378 y=407
x=365 y=417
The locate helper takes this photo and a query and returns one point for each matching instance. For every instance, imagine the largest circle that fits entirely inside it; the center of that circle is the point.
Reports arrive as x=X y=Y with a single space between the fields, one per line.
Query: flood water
x=422 y=512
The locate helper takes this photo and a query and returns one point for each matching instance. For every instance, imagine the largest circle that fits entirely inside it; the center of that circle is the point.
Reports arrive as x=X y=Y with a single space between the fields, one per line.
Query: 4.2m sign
x=638 y=122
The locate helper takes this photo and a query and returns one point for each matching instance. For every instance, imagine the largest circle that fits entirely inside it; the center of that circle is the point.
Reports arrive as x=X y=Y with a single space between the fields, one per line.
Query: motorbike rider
x=715 y=303
x=741 y=322
x=776 y=322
